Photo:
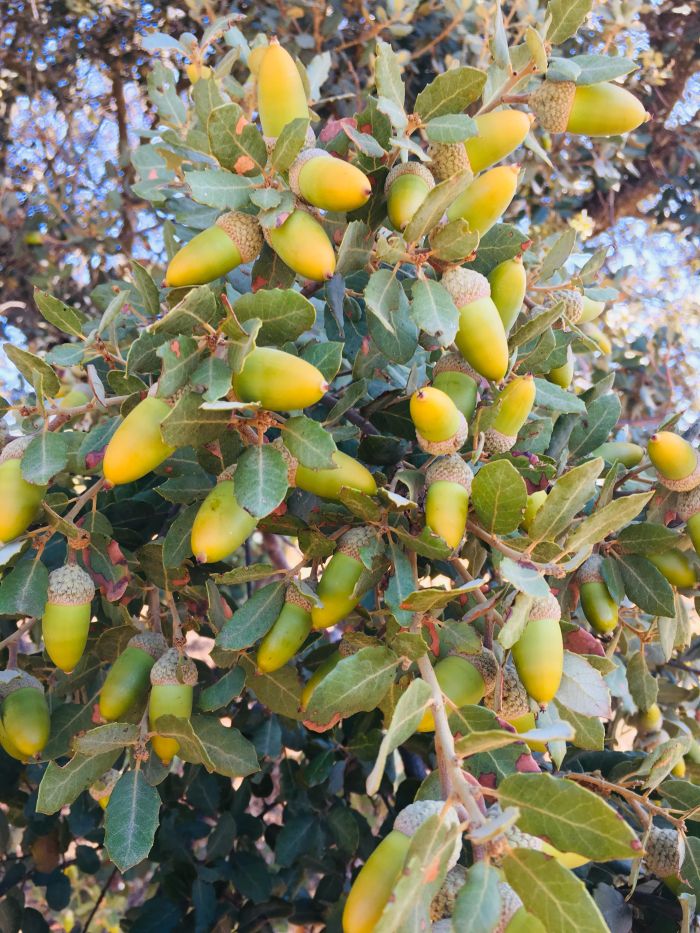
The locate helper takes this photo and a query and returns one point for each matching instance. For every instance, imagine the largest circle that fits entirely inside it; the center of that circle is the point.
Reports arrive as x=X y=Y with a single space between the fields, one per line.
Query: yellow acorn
x=280 y=90
x=20 y=500
x=26 y=723
x=481 y=338
x=464 y=681
x=318 y=675
x=440 y=426
x=679 y=769
x=406 y=187
x=278 y=380
x=651 y=720
x=676 y=461
x=676 y=567
x=508 y=283
x=128 y=679
x=539 y=652
x=102 y=789
x=446 y=159
x=327 y=483
x=303 y=245
x=448 y=483
x=172 y=685
x=328 y=183
x=455 y=377
x=598 y=337
x=688 y=509
x=591 y=310
x=535 y=501
x=499 y=133
x=338 y=587
x=288 y=633
x=602 y=109
x=526 y=723
x=563 y=375
x=66 y=619
x=234 y=239
x=196 y=71
x=629 y=455
x=514 y=405
x=486 y=199
x=598 y=606
x=221 y=525
x=137 y=446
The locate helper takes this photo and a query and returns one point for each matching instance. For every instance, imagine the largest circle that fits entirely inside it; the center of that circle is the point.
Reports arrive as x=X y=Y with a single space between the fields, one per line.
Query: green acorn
x=481 y=338
x=514 y=406
x=591 y=310
x=676 y=567
x=235 y=239
x=128 y=680
x=508 y=283
x=278 y=380
x=26 y=723
x=464 y=681
x=446 y=159
x=563 y=375
x=173 y=679
x=338 y=587
x=20 y=500
x=455 y=377
x=221 y=525
x=676 y=461
x=441 y=428
x=535 y=501
x=406 y=187
x=598 y=606
x=573 y=303
x=288 y=632
x=302 y=244
x=629 y=455
x=688 y=509
x=539 y=652
x=602 y=109
x=66 y=619
x=486 y=199
x=328 y=483
x=448 y=483
x=328 y=183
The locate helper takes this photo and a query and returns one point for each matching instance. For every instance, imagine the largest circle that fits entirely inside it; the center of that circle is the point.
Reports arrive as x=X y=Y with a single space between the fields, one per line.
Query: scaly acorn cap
x=446 y=159
x=545 y=607
x=685 y=483
x=245 y=233
x=497 y=443
x=104 y=785
x=13 y=680
x=449 y=446
x=510 y=904
x=486 y=664
x=354 y=540
x=152 y=643
x=443 y=903
x=352 y=642
x=455 y=362
x=289 y=459
x=664 y=852
x=552 y=103
x=465 y=285
x=412 y=817
x=70 y=585
x=172 y=669
x=573 y=303
x=16 y=448
x=589 y=571
x=451 y=469
x=514 y=698
x=688 y=504
x=299 y=163
x=296 y=598
x=409 y=168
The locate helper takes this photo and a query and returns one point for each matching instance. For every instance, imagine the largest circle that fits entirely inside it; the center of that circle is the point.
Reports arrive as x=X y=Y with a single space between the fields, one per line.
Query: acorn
x=628 y=454
x=676 y=567
x=598 y=337
x=573 y=303
x=602 y=109
x=20 y=500
x=499 y=133
x=102 y=789
x=535 y=501
x=514 y=406
x=526 y=723
x=688 y=509
x=302 y=244
x=514 y=702
x=328 y=183
x=508 y=283
x=288 y=633
x=137 y=446
x=235 y=239
x=279 y=381
x=481 y=338
x=486 y=199
x=598 y=606
x=128 y=680
x=651 y=719
x=539 y=652
x=440 y=426
x=455 y=377
x=172 y=681
x=318 y=675
x=281 y=96
x=462 y=682
x=446 y=159
x=327 y=483
x=338 y=587
x=442 y=905
x=664 y=852
x=221 y=525
x=66 y=619
x=591 y=310
x=406 y=187
x=563 y=375
x=26 y=723
x=676 y=461
x=448 y=483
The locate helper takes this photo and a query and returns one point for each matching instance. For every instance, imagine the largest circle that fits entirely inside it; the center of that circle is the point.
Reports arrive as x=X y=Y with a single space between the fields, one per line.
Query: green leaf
x=436 y=203
x=454 y=241
x=499 y=496
x=59 y=787
x=557 y=399
x=451 y=128
x=360 y=504
x=450 y=93
x=147 y=288
x=384 y=297
x=434 y=311
x=190 y=425
x=516 y=620
x=596 y=68
x=589 y=730
x=478 y=904
x=536 y=325
x=646 y=586
x=180 y=356
x=356 y=683
x=594 y=427
x=279 y=691
x=289 y=143
x=406 y=717
x=582 y=687
x=45 y=456
x=131 y=820
x=647 y=538
x=205 y=740
x=218 y=188
x=185 y=489
x=177 y=546
x=503 y=241
x=558 y=254
x=112 y=737
x=260 y=481
x=196 y=313
x=523 y=578
x=355 y=248
x=285 y=314
x=611 y=517
x=433 y=598
x=309 y=442
x=387 y=74
x=328 y=357
x=401 y=584
x=427 y=545
x=36 y=371
x=643 y=686
x=568 y=496
x=243 y=574
x=233 y=150
x=566 y=17
x=221 y=693
x=23 y=589
x=67 y=319
x=254 y=619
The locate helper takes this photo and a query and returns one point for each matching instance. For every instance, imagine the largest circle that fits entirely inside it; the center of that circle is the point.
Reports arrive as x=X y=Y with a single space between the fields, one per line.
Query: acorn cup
x=508 y=283
x=280 y=90
x=318 y=675
x=441 y=428
x=448 y=483
x=221 y=525
x=279 y=381
x=498 y=134
x=464 y=681
x=676 y=461
x=676 y=567
x=455 y=377
x=539 y=652
x=446 y=159
x=406 y=187
x=602 y=109
x=137 y=446
x=328 y=183
x=303 y=245
x=25 y=723
x=20 y=500
x=328 y=483
x=102 y=789
x=486 y=199
x=514 y=702
x=573 y=303
x=598 y=606
x=288 y=633
x=628 y=454
x=66 y=619
x=481 y=338
x=514 y=405
x=563 y=375
x=338 y=589
x=664 y=852
x=688 y=509
x=235 y=239
x=172 y=681
x=128 y=680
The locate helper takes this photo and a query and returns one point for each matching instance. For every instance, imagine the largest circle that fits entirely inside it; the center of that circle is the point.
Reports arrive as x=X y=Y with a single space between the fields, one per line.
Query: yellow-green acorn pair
x=128 y=680
x=221 y=525
x=441 y=428
x=676 y=567
x=328 y=183
x=676 y=461
x=508 y=283
x=20 y=499
x=235 y=239
x=173 y=679
x=328 y=482
x=598 y=606
x=603 y=109
x=288 y=633
x=25 y=723
x=302 y=244
x=486 y=199
x=481 y=338
x=66 y=619
x=514 y=405
x=406 y=187
x=280 y=90
x=498 y=134
x=464 y=681
x=448 y=483
x=377 y=878
x=102 y=789
x=563 y=375
x=539 y=652
x=137 y=446
x=339 y=590
x=688 y=509
x=278 y=380
x=628 y=454
x=573 y=303
x=455 y=377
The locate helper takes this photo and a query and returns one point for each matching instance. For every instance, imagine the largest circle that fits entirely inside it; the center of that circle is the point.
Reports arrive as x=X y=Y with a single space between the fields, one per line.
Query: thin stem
x=100 y=898
x=552 y=569
x=628 y=794
x=178 y=638
x=17 y=634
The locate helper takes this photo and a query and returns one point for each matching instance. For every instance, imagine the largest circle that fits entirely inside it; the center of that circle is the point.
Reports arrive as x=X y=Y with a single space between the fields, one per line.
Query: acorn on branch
x=448 y=483
x=20 y=499
x=539 y=652
x=535 y=501
x=302 y=244
x=628 y=454
x=675 y=566
x=455 y=377
x=348 y=473
x=676 y=461
x=688 y=509
x=514 y=406
x=26 y=723
x=481 y=338
x=602 y=109
x=173 y=679
x=598 y=606
x=338 y=588
x=486 y=199
x=328 y=183
x=563 y=375
x=499 y=133
x=66 y=619
x=137 y=446
x=278 y=380
x=508 y=283
x=281 y=96
x=441 y=428
x=406 y=187
x=288 y=633
x=128 y=679
x=221 y=525
x=464 y=681
x=235 y=239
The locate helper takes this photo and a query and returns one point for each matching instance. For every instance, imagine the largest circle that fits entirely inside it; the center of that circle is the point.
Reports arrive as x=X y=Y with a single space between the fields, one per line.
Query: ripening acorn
x=328 y=183
x=676 y=567
x=676 y=461
x=20 y=500
x=598 y=337
x=441 y=428
x=563 y=375
x=406 y=187
x=235 y=238
x=318 y=675
x=327 y=483
x=26 y=723
x=288 y=633
x=481 y=338
x=598 y=606
x=455 y=377
x=461 y=681
x=73 y=396
x=278 y=380
x=66 y=619
x=628 y=454
x=486 y=199
x=338 y=587
x=221 y=525
x=448 y=483
x=137 y=446
x=603 y=109
x=539 y=652
x=128 y=680
x=498 y=134
x=688 y=509
x=514 y=405
x=591 y=310
x=280 y=90
x=303 y=245
x=535 y=501
x=651 y=720
x=173 y=679
x=526 y=723
x=102 y=789
x=508 y=283
x=9 y=746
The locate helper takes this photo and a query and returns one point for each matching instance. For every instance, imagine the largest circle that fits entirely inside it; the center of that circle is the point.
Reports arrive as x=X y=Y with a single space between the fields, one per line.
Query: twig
x=154 y=607
x=100 y=898
x=17 y=634
x=178 y=639
x=520 y=557
x=627 y=794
